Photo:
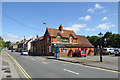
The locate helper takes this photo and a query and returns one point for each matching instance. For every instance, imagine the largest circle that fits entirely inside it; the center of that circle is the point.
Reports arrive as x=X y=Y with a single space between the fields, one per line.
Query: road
x=40 y=67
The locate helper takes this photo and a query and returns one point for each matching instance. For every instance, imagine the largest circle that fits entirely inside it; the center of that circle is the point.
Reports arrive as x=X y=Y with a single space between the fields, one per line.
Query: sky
x=21 y=19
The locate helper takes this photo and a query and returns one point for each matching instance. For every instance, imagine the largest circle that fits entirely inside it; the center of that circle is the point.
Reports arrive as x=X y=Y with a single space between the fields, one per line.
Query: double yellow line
x=22 y=70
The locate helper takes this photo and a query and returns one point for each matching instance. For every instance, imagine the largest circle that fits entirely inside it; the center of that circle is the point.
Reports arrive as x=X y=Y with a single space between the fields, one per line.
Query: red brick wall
x=87 y=51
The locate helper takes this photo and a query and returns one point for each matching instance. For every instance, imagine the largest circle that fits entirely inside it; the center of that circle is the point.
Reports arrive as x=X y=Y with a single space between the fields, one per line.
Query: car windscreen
x=83 y=52
x=24 y=51
x=104 y=49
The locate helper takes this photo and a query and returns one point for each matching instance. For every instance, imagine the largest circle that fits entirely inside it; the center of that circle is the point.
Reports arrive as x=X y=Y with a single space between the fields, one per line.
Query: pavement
x=110 y=62
x=7 y=67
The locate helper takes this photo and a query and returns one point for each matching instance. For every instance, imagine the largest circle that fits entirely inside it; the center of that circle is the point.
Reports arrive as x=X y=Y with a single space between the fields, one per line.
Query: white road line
x=44 y=62
x=33 y=59
x=71 y=71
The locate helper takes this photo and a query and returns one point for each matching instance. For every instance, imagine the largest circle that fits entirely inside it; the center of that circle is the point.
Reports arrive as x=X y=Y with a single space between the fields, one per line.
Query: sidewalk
x=109 y=62
x=8 y=69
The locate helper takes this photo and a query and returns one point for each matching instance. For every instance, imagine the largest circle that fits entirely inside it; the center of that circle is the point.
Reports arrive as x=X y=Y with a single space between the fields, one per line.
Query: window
x=64 y=50
x=47 y=39
x=71 y=40
x=58 y=39
x=65 y=40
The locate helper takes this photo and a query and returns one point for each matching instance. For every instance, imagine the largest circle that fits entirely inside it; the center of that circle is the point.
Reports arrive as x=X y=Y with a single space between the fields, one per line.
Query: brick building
x=63 y=41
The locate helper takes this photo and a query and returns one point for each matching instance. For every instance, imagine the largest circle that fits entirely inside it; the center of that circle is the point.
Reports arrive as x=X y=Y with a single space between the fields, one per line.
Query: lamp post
x=100 y=35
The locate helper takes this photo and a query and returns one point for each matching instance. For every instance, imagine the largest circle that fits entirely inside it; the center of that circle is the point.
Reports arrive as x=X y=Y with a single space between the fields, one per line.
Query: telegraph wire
x=21 y=23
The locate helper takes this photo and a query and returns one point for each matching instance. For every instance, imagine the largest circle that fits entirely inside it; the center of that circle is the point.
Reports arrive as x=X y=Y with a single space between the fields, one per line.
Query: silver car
x=108 y=51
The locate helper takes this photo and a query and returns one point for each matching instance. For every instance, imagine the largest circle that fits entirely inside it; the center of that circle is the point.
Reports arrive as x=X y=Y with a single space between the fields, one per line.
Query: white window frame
x=58 y=39
x=47 y=39
x=71 y=40
x=64 y=50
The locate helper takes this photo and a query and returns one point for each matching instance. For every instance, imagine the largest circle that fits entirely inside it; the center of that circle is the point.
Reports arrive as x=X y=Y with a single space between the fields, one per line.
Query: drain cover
x=8 y=76
x=5 y=63
x=7 y=71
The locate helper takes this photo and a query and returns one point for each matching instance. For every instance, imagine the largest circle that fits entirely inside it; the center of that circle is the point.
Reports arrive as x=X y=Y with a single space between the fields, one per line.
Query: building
x=61 y=41
x=14 y=46
x=37 y=46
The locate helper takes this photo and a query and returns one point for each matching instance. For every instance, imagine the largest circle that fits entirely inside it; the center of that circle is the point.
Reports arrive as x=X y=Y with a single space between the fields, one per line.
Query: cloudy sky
x=85 y=18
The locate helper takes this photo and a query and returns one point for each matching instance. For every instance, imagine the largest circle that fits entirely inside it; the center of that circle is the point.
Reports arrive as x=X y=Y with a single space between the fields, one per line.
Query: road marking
x=89 y=66
x=71 y=71
x=19 y=66
x=44 y=62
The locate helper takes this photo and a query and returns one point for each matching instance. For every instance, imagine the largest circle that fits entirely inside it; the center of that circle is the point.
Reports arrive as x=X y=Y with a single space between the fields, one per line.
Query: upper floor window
x=65 y=40
x=58 y=39
x=47 y=39
x=71 y=40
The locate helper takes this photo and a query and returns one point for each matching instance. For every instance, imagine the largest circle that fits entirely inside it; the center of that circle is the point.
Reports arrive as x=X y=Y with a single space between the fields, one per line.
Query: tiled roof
x=40 y=38
x=82 y=40
x=65 y=33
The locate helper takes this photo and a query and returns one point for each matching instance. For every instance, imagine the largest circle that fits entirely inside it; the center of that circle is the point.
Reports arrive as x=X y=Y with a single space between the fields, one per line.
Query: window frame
x=64 y=50
x=64 y=41
x=58 y=39
x=47 y=39
x=71 y=40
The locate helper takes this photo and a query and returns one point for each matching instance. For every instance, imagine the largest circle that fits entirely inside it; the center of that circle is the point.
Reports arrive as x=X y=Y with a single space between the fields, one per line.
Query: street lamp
x=100 y=35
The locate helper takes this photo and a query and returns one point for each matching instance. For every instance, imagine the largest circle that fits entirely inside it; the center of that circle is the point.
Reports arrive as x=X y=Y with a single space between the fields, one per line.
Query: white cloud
x=86 y=18
x=105 y=18
x=75 y=27
x=91 y=10
x=98 y=6
x=14 y=38
x=88 y=29
x=104 y=11
x=105 y=26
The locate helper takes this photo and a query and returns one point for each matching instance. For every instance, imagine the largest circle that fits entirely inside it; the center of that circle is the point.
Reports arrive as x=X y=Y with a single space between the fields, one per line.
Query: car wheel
x=109 y=53
x=116 y=55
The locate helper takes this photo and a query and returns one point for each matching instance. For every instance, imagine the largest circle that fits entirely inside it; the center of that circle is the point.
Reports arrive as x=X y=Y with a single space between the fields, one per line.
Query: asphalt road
x=40 y=67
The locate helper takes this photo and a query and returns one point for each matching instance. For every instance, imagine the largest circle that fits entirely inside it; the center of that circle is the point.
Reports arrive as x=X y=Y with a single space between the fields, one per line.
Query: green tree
x=2 y=43
x=17 y=42
x=7 y=44
x=93 y=40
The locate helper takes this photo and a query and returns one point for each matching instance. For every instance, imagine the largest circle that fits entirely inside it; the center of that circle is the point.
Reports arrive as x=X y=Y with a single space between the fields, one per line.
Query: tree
x=7 y=44
x=93 y=40
x=112 y=40
x=17 y=42
x=2 y=43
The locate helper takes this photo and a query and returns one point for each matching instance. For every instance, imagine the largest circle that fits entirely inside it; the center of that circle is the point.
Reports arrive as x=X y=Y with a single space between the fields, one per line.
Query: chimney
x=21 y=41
x=61 y=28
x=24 y=39
x=37 y=37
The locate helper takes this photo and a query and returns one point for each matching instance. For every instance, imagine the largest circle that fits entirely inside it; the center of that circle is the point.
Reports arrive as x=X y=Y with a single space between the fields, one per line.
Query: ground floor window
x=64 y=50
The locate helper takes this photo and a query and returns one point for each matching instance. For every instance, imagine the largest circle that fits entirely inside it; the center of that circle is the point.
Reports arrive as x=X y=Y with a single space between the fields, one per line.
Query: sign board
x=49 y=48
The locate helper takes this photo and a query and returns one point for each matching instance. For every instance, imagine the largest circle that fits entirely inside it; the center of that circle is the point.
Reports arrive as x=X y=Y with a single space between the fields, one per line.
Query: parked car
x=18 y=50
x=24 y=52
x=79 y=53
x=13 y=50
x=108 y=51
x=117 y=52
